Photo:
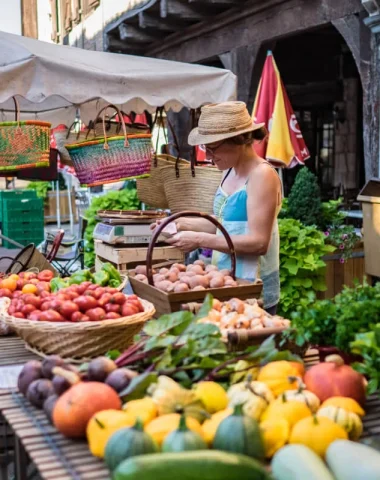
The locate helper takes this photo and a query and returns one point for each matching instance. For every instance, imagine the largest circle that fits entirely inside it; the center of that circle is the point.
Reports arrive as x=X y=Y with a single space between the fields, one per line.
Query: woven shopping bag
x=114 y=127
x=24 y=144
x=110 y=159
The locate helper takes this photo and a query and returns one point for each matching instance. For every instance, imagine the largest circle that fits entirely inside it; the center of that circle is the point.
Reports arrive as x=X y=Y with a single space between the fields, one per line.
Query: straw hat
x=220 y=121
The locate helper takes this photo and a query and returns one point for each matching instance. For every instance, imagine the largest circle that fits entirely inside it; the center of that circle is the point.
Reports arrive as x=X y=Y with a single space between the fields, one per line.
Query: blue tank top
x=231 y=211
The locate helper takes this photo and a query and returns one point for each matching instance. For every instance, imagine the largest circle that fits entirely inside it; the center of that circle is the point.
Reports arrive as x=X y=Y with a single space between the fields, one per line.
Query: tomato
x=99 y=292
x=12 y=310
x=33 y=281
x=30 y=275
x=17 y=294
x=112 y=307
x=77 y=317
x=86 y=302
x=73 y=295
x=137 y=304
x=9 y=283
x=43 y=286
x=19 y=305
x=21 y=283
x=32 y=299
x=127 y=310
x=67 y=309
x=19 y=315
x=5 y=292
x=51 y=316
x=132 y=297
x=27 y=309
x=111 y=290
x=82 y=287
x=112 y=316
x=96 y=314
x=21 y=275
x=104 y=299
x=118 y=298
x=43 y=295
x=35 y=315
x=63 y=297
x=45 y=276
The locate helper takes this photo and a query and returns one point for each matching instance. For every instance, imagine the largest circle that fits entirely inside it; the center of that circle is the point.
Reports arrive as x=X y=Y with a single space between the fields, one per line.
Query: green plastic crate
x=15 y=211
x=14 y=195
x=12 y=230
x=36 y=239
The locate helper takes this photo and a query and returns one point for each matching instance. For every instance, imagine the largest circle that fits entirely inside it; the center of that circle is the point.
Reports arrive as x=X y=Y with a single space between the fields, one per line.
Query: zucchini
x=297 y=462
x=353 y=461
x=195 y=465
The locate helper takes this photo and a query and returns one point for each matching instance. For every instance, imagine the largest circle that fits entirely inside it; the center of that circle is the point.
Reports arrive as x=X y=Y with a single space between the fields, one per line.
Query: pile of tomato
x=32 y=299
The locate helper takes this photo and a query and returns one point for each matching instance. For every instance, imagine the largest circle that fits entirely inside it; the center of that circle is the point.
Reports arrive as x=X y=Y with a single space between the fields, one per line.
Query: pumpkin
x=333 y=378
x=212 y=395
x=239 y=433
x=183 y=439
x=349 y=421
x=102 y=425
x=181 y=401
x=145 y=409
x=300 y=395
x=348 y=404
x=160 y=427
x=210 y=426
x=276 y=375
x=79 y=403
x=126 y=443
x=275 y=434
x=292 y=411
x=317 y=434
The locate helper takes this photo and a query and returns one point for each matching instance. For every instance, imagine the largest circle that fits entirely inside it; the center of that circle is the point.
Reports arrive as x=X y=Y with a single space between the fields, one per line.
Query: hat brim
x=196 y=138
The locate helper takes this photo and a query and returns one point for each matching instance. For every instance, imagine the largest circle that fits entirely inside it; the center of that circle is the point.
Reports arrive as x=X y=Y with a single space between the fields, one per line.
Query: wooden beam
x=175 y=8
x=115 y=45
x=129 y=32
x=149 y=21
x=223 y=3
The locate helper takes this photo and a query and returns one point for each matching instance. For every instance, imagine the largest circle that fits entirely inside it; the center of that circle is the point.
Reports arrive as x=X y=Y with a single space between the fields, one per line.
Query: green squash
x=240 y=434
x=183 y=439
x=126 y=443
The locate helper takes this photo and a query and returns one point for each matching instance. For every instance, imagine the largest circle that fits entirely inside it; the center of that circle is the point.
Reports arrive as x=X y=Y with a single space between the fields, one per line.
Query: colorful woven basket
x=105 y=160
x=24 y=144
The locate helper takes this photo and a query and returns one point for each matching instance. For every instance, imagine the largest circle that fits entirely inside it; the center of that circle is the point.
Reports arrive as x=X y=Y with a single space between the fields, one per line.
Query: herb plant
x=367 y=345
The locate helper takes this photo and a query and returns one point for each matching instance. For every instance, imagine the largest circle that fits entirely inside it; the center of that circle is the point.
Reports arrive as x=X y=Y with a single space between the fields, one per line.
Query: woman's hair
x=250 y=137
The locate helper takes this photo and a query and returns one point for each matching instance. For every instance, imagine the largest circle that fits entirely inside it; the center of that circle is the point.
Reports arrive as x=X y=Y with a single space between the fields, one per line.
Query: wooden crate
x=126 y=258
x=172 y=302
x=51 y=207
x=340 y=274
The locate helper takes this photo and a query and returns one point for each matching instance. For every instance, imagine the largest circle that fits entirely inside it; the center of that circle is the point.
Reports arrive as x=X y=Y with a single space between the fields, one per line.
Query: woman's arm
x=263 y=194
x=195 y=225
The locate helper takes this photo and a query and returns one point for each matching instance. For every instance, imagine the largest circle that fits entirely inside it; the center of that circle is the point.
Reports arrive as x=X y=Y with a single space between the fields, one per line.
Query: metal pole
x=71 y=216
x=58 y=206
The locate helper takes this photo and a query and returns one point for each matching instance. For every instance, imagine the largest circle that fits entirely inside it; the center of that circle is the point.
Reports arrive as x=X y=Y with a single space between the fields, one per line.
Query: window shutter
x=75 y=11
x=54 y=20
x=66 y=15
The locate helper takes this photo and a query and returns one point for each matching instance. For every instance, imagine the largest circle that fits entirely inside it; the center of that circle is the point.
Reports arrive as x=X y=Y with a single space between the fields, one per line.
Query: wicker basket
x=77 y=342
x=29 y=258
x=151 y=190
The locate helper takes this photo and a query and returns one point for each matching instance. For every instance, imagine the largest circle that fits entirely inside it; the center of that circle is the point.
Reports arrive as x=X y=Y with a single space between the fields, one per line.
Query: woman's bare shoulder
x=264 y=172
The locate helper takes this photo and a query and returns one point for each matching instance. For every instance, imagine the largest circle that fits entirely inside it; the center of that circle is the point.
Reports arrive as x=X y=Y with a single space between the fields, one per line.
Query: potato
x=158 y=278
x=180 y=267
x=140 y=270
x=198 y=288
x=141 y=278
x=197 y=269
x=171 y=276
x=215 y=273
x=200 y=262
x=199 y=280
x=181 y=287
x=225 y=272
x=217 y=282
x=190 y=273
x=174 y=270
x=186 y=279
x=165 y=286
x=163 y=271
x=211 y=268
x=229 y=282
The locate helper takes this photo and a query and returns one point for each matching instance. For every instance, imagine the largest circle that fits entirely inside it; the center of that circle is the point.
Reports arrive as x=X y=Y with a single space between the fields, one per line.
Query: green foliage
x=304 y=202
x=301 y=265
x=41 y=188
x=330 y=215
x=367 y=345
x=114 y=200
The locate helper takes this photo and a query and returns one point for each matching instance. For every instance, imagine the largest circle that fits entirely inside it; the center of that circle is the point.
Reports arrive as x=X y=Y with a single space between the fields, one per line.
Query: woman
x=246 y=203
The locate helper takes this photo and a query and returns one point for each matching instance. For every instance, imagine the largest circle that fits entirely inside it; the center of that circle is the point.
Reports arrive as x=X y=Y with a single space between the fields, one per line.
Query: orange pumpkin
x=77 y=405
x=333 y=378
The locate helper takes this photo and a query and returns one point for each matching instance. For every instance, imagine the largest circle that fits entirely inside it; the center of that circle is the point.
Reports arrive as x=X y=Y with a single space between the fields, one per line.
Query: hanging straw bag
x=24 y=144
x=111 y=159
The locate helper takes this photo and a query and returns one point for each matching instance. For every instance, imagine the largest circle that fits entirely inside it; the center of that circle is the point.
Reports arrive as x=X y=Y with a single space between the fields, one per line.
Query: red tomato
x=118 y=298
x=111 y=290
x=104 y=299
x=19 y=315
x=137 y=304
x=45 y=275
x=62 y=297
x=51 y=316
x=44 y=295
x=67 y=309
x=43 y=286
x=77 y=317
x=32 y=300
x=27 y=309
x=112 y=316
x=12 y=310
x=5 y=292
x=33 y=281
x=112 y=307
x=132 y=297
x=21 y=275
x=92 y=286
x=19 y=305
x=98 y=292
x=128 y=310
x=86 y=302
x=73 y=295
x=96 y=314
x=30 y=276
x=82 y=287
x=17 y=294
x=35 y=315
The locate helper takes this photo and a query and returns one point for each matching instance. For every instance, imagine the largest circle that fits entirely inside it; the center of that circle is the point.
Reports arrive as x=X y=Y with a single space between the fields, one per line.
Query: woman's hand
x=185 y=241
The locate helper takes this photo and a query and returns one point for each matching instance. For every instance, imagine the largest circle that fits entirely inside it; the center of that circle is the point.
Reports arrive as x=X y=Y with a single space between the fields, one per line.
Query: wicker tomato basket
x=172 y=302
x=77 y=342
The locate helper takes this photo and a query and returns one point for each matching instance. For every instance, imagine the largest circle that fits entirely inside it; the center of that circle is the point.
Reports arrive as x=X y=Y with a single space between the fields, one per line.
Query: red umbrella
x=285 y=146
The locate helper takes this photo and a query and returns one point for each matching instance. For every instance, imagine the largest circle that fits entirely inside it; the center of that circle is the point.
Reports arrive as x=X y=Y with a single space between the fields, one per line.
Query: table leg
x=21 y=461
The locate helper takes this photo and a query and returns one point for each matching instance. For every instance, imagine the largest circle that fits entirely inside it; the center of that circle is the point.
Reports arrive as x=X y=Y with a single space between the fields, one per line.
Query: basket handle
x=126 y=142
x=69 y=129
x=17 y=114
x=159 y=122
x=172 y=218
x=177 y=147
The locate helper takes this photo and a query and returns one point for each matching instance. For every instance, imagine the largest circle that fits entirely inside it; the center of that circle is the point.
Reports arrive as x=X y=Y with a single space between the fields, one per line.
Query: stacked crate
x=22 y=217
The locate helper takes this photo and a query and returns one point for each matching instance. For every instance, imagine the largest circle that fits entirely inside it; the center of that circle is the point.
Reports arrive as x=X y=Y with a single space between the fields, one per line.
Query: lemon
x=275 y=434
x=212 y=395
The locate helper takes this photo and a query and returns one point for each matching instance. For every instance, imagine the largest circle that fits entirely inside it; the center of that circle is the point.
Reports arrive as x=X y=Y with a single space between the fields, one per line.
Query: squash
x=291 y=411
x=163 y=385
x=297 y=462
x=347 y=420
x=102 y=425
x=239 y=433
x=183 y=439
x=346 y=403
x=333 y=378
x=145 y=409
x=183 y=402
x=300 y=395
x=353 y=461
x=160 y=427
x=212 y=395
x=276 y=375
x=275 y=435
x=126 y=443
x=79 y=403
x=254 y=396
x=210 y=426
x=317 y=434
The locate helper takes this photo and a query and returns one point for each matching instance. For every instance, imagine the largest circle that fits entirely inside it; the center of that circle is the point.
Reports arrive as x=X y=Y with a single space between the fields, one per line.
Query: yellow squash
x=104 y=424
x=349 y=421
x=346 y=403
x=145 y=409
x=292 y=411
x=276 y=375
x=254 y=396
x=212 y=395
x=301 y=395
x=160 y=427
x=317 y=434
x=275 y=434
